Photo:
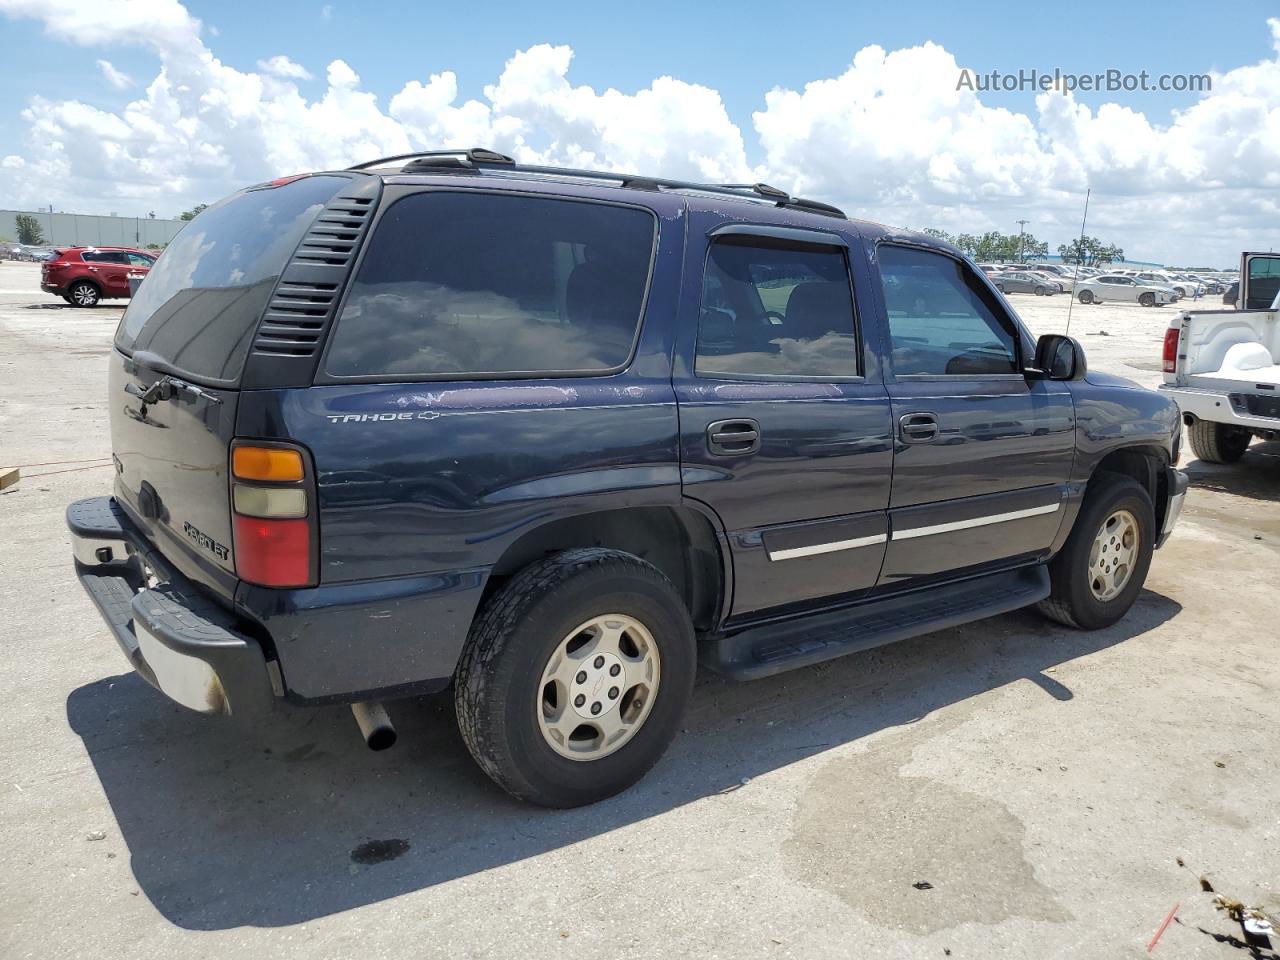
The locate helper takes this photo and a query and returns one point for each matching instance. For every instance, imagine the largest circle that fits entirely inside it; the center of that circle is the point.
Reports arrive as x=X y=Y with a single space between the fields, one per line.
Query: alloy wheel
x=598 y=687
x=1114 y=553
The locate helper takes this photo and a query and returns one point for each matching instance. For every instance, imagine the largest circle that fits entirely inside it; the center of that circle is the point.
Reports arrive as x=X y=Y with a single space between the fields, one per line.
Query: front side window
x=776 y=309
x=466 y=284
x=138 y=260
x=942 y=321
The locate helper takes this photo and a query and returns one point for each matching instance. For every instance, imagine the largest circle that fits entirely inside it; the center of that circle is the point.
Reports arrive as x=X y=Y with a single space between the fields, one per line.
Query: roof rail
x=478 y=158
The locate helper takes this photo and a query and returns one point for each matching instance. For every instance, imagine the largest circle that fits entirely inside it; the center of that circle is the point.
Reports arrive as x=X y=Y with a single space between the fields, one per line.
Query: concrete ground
x=1041 y=781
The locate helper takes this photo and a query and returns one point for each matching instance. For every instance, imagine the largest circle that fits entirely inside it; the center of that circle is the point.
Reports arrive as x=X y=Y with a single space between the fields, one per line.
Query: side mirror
x=1060 y=358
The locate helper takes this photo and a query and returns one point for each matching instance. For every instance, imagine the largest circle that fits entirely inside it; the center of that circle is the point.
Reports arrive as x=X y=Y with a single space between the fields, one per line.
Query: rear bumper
x=1178 y=483
x=1216 y=407
x=176 y=638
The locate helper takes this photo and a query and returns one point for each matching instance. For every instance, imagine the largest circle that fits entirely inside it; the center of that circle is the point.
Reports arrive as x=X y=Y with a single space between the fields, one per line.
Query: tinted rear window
x=468 y=284
x=203 y=297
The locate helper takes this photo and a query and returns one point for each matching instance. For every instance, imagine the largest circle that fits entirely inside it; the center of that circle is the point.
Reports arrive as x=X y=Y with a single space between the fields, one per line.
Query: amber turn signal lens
x=266 y=463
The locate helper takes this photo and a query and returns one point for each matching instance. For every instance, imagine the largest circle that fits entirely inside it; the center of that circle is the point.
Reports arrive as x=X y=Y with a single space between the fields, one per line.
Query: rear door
x=193 y=321
x=784 y=419
x=982 y=454
x=109 y=268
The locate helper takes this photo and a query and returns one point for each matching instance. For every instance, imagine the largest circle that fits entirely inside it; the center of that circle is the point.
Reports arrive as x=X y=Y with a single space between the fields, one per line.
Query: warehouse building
x=82 y=229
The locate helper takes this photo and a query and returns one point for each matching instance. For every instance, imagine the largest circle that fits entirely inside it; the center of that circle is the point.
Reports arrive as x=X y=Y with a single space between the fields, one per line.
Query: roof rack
x=478 y=158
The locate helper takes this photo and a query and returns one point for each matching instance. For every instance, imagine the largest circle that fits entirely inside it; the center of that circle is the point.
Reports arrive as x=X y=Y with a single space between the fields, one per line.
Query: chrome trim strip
x=817 y=548
x=976 y=522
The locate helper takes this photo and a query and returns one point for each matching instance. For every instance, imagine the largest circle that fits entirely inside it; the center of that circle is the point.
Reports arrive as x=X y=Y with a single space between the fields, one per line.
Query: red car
x=83 y=276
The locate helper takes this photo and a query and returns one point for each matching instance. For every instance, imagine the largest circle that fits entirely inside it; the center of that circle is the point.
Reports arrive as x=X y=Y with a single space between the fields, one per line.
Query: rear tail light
x=1171 y=337
x=274 y=521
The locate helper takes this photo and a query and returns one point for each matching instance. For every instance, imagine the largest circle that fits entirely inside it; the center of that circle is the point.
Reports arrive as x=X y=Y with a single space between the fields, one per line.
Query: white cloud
x=282 y=66
x=888 y=138
x=117 y=78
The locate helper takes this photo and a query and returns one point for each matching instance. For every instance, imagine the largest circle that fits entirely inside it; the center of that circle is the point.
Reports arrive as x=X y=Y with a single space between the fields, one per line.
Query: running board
x=775 y=647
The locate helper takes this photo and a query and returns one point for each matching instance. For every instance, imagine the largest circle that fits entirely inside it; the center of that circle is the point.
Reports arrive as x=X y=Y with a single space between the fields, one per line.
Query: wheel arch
x=680 y=541
x=1146 y=464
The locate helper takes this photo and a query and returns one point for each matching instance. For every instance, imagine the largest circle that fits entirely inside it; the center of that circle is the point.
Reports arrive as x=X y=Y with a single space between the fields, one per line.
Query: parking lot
x=1007 y=788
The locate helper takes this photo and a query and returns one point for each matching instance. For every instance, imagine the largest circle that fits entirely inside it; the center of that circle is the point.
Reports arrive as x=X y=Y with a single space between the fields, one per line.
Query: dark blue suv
x=554 y=437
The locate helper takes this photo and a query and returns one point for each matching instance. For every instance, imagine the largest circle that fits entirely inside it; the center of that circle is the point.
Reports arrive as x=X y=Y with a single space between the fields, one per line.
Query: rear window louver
x=302 y=306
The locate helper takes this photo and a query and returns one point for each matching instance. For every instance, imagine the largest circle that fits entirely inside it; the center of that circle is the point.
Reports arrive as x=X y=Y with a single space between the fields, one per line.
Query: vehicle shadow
x=67 y=306
x=1256 y=475
x=227 y=827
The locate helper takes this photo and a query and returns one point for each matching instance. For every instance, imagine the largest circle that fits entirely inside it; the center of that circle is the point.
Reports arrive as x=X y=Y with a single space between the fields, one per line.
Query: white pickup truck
x=1223 y=366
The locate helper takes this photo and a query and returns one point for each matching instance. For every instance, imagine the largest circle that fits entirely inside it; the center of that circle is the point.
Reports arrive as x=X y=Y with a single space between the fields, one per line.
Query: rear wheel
x=1086 y=296
x=1218 y=442
x=1147 y=299
x=1098 y=573
x=575 y=677
x=84 y=294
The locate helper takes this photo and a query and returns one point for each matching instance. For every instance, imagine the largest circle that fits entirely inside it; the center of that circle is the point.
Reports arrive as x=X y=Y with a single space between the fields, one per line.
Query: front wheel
x=1097 y=575
x=1147 y=299
x=575 y=677
x=1218 y=442
x=1086 y=296
x=1041 y=291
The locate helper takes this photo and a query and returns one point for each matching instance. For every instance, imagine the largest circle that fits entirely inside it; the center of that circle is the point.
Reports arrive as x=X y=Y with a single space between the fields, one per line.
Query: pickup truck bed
x=1223 y=368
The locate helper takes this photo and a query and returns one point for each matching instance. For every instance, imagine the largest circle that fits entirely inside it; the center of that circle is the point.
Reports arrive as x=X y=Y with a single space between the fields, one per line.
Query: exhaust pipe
x=374 y=724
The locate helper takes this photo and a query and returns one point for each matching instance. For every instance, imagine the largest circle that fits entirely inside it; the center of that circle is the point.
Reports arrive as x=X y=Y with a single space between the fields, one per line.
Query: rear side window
x=461 y=284
x=102 y=256
x=772 y=309
x=942 y=319
x=204 y=295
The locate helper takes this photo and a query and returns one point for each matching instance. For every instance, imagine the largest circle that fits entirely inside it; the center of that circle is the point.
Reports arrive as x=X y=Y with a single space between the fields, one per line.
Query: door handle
x=733 y=438
x=918 y=427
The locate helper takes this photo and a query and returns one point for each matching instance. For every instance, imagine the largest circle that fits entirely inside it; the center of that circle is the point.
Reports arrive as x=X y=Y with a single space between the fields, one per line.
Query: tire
x=1218 y=442
x=1000 y=287
x=1074 y=599
x=1086 y=296
x=1147 y=299
x=1041 y=291
x=82 y=293
x=500 y=691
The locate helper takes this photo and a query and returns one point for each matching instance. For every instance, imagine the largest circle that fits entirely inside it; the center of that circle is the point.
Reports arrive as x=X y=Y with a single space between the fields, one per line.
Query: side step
x=776 y=647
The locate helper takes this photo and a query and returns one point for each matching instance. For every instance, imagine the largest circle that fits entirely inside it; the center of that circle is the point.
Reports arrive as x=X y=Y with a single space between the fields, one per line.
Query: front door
x=784 y=419
x=982 y=454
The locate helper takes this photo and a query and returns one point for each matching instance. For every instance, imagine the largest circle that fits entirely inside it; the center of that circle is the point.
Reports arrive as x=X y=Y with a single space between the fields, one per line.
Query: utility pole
x=1021 y=226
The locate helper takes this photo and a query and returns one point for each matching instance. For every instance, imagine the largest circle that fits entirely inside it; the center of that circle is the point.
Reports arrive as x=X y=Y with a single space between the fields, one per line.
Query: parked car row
x=1094 y=285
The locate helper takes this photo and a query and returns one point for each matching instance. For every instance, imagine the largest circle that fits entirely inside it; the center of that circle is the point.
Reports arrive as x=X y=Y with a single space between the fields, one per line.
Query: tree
x=938 y=234
x=193 y=212
x=30 y=232
x=1090 y=252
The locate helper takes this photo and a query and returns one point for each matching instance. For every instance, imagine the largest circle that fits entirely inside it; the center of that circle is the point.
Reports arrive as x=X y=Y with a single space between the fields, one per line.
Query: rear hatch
x=180 y=358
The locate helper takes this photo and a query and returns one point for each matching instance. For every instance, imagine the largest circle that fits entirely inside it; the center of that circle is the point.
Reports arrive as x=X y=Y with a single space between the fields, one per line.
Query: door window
x=942 y=320
x=774 y=309
x=138 y=260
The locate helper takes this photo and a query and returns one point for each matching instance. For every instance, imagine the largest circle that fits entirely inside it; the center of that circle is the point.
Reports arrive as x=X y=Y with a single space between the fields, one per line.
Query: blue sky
x=739 y=53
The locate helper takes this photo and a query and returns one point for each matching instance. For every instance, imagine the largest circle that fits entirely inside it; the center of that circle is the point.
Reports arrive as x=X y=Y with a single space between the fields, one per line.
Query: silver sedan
x=1015 y=281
